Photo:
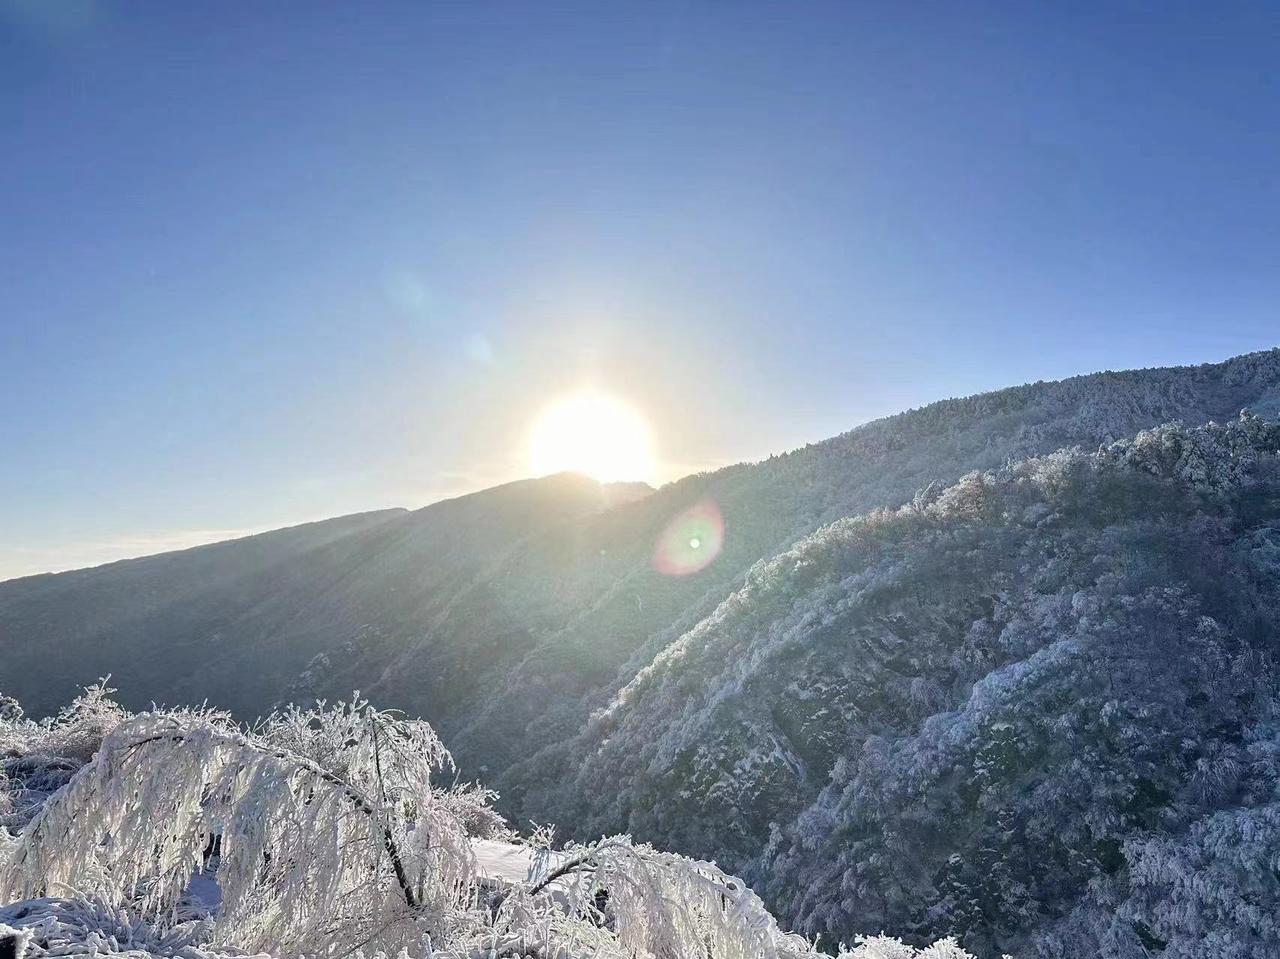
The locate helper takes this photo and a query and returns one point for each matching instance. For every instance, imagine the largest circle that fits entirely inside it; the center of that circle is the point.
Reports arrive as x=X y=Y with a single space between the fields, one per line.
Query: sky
x=266 y=263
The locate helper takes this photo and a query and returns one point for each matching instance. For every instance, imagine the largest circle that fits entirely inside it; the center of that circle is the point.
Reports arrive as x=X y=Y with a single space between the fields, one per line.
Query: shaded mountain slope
x=238 y=622
x=148 y=620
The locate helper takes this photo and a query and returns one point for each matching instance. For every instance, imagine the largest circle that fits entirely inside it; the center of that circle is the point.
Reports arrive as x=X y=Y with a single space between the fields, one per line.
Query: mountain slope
x=238 y=622
x=604 y=612
x=505 y=625
x=832 y=705
x=59 y=632
x=1038 y=707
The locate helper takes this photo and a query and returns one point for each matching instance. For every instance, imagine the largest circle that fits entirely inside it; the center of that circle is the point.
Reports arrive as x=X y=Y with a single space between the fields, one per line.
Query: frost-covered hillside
x=603 y=612
x=1037 y=708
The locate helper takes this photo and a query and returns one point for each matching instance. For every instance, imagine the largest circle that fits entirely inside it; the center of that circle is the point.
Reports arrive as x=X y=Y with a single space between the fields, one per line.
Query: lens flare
x=690 y=541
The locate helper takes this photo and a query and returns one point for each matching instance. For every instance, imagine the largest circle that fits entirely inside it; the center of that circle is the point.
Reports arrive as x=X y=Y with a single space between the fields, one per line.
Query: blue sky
x=262 y=263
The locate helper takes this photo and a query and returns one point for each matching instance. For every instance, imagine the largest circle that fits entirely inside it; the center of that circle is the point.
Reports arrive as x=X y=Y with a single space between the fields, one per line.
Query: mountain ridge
x=881 y=602
x=575 y=609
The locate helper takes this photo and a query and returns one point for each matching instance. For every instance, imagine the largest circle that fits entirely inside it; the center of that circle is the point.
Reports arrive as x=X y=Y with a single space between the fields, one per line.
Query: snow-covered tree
x=324 y=835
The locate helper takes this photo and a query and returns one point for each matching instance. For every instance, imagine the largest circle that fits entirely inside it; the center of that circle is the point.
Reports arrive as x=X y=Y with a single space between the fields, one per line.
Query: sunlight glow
x=595 y=434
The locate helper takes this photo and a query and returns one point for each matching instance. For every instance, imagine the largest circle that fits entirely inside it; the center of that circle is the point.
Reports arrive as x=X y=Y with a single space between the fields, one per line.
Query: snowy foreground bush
x=177 y=833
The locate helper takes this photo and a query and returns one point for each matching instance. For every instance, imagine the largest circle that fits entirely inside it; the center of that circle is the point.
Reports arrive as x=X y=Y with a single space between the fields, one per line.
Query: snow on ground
x=204 y=892
x=502 y=861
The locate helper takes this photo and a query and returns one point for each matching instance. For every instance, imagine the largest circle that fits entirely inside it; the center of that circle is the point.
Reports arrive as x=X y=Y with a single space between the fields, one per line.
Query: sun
x=592 y=433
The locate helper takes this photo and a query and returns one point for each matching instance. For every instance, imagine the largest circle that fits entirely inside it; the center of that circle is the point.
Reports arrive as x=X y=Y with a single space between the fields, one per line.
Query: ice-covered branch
x=306 y=855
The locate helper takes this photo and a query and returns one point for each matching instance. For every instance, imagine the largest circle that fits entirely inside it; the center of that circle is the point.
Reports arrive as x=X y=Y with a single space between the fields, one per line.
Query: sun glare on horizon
x=592 y=433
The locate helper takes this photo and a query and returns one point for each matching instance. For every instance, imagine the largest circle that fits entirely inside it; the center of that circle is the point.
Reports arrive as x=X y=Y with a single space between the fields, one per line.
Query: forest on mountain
x=1001 y=668
x=1036 y=709
x=507 y=616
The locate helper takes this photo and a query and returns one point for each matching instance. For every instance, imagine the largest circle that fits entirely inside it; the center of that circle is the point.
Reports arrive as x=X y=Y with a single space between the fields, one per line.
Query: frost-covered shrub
x=74 y=734
x=38 y=758
x=661 y=904
x=324 y=835
x=79 y=926
x=307 y=857
x=884 y=947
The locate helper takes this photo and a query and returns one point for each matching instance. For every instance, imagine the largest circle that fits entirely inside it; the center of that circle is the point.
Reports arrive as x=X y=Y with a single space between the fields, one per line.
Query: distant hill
x=238 y=622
